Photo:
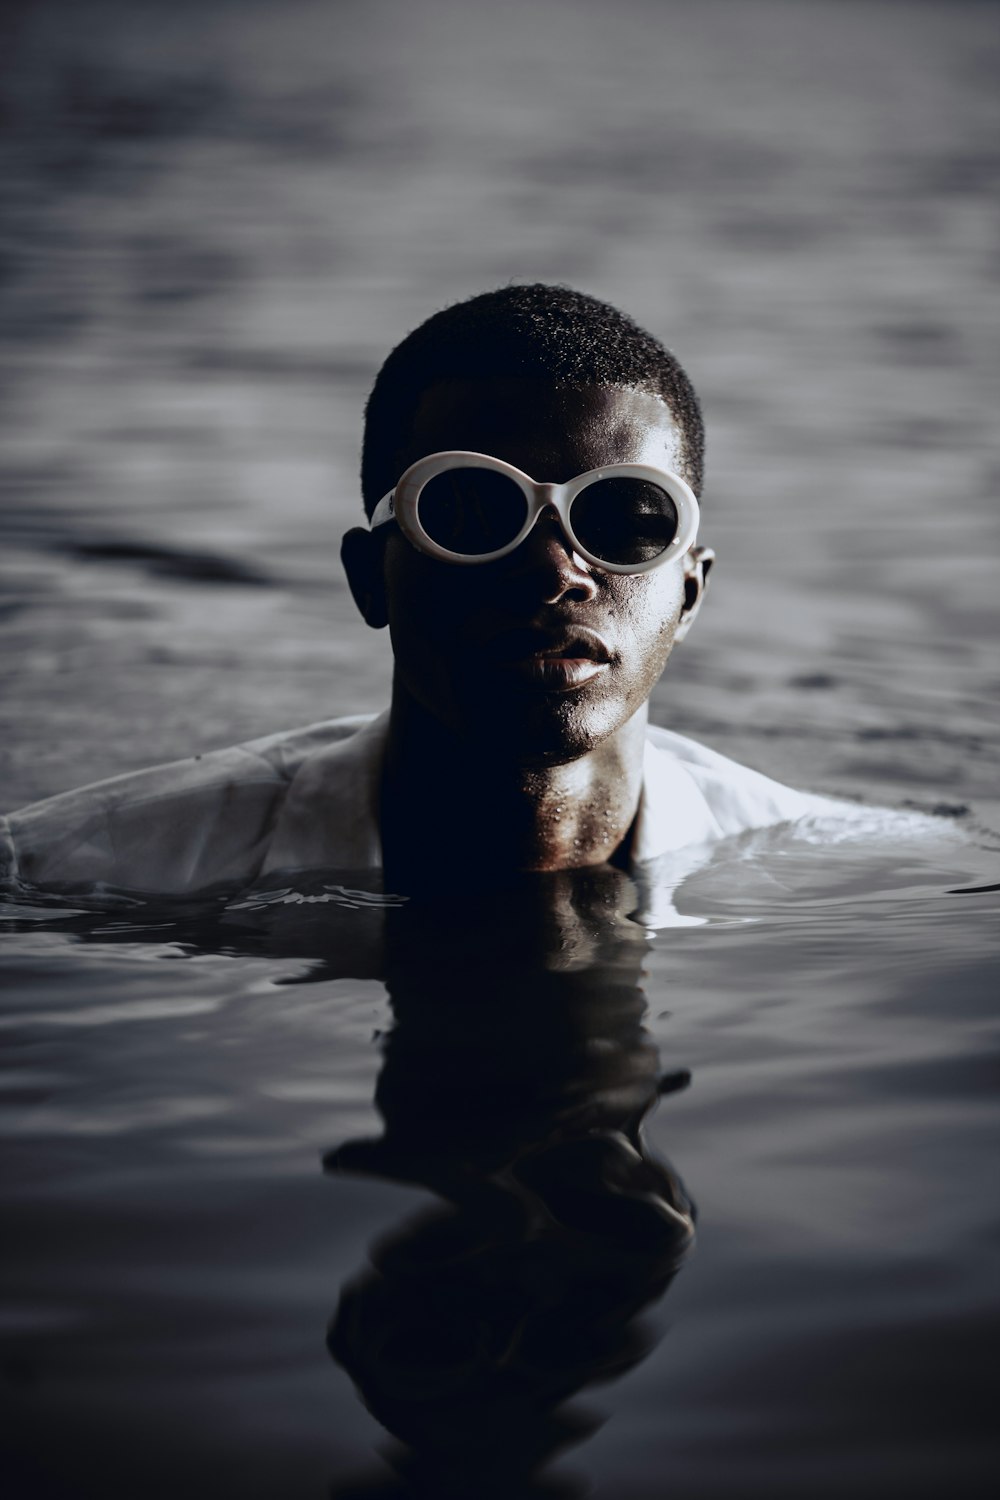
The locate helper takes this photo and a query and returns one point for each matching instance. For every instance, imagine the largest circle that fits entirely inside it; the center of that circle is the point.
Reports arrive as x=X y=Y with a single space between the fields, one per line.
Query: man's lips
x=556 y=658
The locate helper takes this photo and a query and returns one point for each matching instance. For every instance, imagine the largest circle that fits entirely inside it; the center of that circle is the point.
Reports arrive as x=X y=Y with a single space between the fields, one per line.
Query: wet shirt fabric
x=309 y=798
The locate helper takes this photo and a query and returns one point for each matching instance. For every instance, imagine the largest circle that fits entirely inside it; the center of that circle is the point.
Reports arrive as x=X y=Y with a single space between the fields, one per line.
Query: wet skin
x=520 y=686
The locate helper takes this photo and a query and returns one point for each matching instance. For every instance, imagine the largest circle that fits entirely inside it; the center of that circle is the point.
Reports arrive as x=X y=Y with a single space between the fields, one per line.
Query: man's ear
x=697 y=565
x=361 y=554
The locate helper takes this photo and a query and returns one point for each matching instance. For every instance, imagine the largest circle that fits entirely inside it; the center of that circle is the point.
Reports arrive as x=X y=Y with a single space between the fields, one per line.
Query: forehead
x=551 y=432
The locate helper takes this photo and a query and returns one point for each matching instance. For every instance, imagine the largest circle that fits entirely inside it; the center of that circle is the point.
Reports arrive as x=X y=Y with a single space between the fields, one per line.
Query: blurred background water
x=217 y=219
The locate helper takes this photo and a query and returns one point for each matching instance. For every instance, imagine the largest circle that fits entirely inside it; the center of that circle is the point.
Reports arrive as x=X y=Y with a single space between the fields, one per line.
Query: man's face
x=539 y=655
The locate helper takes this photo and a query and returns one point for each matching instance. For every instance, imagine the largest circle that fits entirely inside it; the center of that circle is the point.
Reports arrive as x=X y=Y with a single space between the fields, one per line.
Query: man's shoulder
x=180 y=826
x=289 y=750
x=725 y=796
x=330 y=817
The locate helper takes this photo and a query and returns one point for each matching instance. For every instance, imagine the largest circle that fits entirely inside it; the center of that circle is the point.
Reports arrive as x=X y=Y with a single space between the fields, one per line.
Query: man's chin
x=541 y=729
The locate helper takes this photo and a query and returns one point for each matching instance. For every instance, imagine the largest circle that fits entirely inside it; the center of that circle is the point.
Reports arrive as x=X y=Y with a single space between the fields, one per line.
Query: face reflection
x=452 y=625
x=515 y=1080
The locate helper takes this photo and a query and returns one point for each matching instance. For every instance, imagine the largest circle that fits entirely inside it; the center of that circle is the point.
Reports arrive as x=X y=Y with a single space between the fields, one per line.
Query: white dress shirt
x=227 y=817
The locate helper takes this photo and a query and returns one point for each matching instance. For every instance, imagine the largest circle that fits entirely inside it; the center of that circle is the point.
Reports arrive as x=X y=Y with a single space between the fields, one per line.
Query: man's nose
x=546 y=563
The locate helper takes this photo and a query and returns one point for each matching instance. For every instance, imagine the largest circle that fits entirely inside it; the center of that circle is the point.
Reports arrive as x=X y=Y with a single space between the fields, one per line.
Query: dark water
x=216 y=221
x=427 y=1134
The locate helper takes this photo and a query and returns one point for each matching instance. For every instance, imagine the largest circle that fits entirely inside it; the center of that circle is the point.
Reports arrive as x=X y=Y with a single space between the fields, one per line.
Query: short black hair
x=551 y=333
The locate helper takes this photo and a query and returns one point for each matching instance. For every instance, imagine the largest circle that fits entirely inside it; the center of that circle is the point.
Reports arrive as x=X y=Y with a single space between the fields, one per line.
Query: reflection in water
x=514 y=1084
x=515 y=1081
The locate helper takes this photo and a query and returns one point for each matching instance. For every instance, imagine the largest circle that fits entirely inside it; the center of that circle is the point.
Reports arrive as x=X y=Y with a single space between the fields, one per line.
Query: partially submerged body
x=531 y=466
x=310 y=799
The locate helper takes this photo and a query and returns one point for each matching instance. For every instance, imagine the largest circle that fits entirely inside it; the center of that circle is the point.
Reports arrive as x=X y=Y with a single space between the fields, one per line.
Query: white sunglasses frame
x=401 y=504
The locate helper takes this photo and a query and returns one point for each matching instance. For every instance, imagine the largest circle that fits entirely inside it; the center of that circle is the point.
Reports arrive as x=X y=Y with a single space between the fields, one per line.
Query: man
x=530 y=469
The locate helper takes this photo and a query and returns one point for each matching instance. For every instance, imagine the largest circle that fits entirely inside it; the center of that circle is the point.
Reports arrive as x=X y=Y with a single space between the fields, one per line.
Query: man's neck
x=446 y=801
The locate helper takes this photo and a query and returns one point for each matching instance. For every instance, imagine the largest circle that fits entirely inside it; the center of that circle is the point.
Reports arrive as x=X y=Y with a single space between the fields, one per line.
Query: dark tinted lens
x=471 y=511
x=624 y=520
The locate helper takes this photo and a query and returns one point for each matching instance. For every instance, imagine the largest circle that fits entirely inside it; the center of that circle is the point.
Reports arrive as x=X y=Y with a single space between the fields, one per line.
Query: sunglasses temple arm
x=384 y=511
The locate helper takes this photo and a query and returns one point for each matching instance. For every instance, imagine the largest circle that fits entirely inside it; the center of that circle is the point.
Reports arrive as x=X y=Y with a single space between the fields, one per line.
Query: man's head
x=548 y=334
x=554 y=383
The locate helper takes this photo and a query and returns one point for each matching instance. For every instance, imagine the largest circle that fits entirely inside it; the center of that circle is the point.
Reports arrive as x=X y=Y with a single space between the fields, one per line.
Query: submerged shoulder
x=737 y=797
x=171 y=828
x=330 y=816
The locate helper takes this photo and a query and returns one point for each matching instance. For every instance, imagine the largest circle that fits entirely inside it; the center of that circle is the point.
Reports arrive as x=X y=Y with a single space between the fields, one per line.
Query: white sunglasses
x=470 y=508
